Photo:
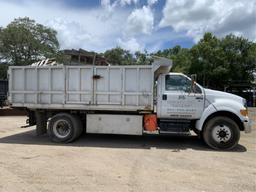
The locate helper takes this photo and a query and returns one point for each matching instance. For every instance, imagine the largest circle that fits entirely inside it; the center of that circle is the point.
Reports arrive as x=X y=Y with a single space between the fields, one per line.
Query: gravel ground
x=121 y=163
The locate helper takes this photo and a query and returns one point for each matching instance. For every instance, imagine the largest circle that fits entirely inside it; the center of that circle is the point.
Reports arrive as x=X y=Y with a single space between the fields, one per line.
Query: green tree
x=24 y=41
x=119 y=56
x=143 y=58
x=207 y=61
x=239 y=58
x=220 y=62
x=181 y=58
x=3 y=71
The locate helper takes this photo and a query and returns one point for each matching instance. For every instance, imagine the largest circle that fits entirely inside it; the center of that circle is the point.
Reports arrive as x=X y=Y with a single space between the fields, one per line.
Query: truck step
x=156 y=132
x=187 y=133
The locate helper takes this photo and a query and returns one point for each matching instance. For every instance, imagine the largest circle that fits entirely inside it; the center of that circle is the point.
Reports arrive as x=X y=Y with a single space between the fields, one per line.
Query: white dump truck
x=132 y=100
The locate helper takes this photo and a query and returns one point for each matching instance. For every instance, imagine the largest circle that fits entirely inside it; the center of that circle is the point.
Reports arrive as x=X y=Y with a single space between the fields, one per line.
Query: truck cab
x=217 y=116
x=179 y=98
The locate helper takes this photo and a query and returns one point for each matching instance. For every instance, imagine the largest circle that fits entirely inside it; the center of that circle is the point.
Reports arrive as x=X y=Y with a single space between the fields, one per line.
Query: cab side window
x=180 y=83
x=177 y=83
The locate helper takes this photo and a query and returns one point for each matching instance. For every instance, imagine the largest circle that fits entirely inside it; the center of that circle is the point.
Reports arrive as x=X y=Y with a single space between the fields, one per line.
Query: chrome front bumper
x=247 y=126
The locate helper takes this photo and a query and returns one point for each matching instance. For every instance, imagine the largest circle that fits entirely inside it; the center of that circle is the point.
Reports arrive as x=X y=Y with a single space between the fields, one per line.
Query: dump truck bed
x=126 y=88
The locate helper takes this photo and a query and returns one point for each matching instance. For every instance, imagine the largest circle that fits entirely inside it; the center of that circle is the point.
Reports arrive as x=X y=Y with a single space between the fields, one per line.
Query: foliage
x=217 y=62
x=220 y=62
x=239 y=57
x=3 y=71
x=24 y=41
x=62 y=58
x=119 y=56
x=207 y=60
x=181 y=58
x=143 y=58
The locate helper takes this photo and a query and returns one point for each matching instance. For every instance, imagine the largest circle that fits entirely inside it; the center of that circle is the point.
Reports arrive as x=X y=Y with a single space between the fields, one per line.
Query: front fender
x=206 y=113
x=220 y=105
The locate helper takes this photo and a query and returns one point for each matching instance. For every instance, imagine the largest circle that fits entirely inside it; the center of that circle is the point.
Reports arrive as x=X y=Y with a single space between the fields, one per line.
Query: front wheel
x=221 y=133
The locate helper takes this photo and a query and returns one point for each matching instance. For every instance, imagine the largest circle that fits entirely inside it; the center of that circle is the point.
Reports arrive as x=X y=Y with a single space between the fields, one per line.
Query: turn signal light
x=244 y=112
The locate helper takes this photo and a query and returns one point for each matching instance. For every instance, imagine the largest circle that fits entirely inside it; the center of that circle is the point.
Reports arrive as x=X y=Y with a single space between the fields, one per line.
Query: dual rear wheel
x=64 y=127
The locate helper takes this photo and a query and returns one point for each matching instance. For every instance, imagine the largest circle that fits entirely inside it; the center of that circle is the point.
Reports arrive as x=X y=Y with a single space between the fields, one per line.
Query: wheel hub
x=61 y=128
x=221 y=133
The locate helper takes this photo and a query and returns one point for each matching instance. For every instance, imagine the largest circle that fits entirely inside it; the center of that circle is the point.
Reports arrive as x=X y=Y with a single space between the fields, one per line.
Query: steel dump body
x=126 y=88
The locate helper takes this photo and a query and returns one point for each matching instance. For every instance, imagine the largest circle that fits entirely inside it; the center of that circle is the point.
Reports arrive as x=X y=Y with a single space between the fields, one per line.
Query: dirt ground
x=121 y=163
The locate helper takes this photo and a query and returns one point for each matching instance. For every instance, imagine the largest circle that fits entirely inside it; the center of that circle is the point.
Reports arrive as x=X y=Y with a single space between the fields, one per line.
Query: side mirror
x=193 y=77
x=193 y=82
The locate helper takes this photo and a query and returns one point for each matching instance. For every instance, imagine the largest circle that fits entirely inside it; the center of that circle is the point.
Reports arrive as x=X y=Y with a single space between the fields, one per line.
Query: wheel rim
x=61 y=128
x=221 y=133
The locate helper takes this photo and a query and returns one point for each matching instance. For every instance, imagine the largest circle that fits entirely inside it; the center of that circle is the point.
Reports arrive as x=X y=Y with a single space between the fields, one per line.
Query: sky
x=136 y=25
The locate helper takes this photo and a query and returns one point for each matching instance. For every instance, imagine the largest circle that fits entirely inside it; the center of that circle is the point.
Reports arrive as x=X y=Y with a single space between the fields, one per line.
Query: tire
x=64 y=128
x=221 y=133
x=41 y=123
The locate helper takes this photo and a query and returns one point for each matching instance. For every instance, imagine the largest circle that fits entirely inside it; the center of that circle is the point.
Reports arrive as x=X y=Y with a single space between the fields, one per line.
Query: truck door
x=176 y=99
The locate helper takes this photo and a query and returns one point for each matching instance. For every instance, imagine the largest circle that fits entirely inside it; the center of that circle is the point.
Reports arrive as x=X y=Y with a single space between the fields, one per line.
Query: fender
x=220 y=105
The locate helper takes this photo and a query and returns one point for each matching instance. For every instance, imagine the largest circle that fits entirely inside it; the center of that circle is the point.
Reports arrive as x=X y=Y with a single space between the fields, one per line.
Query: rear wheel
x=64 y=127
x=221 y=133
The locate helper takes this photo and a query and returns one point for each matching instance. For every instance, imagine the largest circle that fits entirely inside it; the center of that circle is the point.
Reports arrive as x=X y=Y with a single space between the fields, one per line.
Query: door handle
x=199 y=98
x=164 y=97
